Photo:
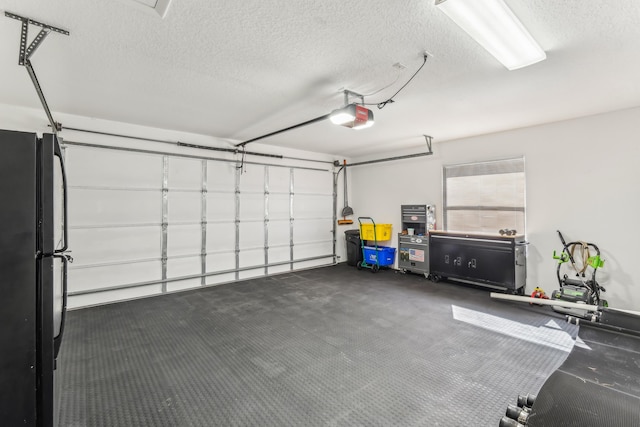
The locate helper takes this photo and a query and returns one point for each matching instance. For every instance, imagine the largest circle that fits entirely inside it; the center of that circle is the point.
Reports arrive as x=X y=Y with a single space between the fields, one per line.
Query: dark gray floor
x=326 y=347
x=597 y=385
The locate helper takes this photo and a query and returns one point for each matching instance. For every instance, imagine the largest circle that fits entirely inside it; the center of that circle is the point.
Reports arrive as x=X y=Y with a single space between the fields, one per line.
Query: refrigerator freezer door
x=47 y=163
x=45 y=360
x=57 y=296
x=58 y=239
x=55 y=227
x=18 y=316
x=59 y=299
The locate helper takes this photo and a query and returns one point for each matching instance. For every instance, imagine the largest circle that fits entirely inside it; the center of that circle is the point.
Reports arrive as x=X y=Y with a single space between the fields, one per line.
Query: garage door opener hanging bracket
x=26 y=52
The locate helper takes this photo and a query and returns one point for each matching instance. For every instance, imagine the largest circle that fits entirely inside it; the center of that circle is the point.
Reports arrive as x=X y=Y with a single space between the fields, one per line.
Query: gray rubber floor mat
x=326 y=347
x=597 y=385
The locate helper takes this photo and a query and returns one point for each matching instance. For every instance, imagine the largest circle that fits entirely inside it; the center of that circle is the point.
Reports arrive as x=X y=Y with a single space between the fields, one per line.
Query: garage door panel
x=95 y=167
x=251 y=235
x=221 y=261
x=311 y=231
x=279 y=269
x=280 y=254
x=221 y=176
x=310 y=181
x=78 y=301
x=185 y=174
x=221 y=206
x=96 y=245
x=184 y=240
x=181 y=267
x=279 y=206
x=86 y=279
x=100 y=207
x=313 y=250
x=221 y=237
x=250 y=274
x=251 y=207
x=279 y=180
x=253 y=257
x=279 y=233
x=220 y=279
x=184 y=207
x=312 y=206
x=252 y=179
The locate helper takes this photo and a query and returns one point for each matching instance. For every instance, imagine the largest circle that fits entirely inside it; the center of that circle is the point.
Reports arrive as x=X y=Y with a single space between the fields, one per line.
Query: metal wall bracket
x=26 y=52
x=349 y=93
x=429 y=141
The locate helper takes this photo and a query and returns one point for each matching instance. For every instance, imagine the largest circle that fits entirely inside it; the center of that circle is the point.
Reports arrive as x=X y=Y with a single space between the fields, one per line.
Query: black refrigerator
x=33 y=273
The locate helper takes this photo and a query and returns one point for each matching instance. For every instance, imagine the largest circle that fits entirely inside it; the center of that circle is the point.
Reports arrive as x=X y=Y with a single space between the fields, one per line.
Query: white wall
x=582 y=179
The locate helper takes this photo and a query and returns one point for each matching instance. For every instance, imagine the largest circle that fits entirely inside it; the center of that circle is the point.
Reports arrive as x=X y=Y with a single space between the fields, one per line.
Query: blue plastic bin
x=385 y=255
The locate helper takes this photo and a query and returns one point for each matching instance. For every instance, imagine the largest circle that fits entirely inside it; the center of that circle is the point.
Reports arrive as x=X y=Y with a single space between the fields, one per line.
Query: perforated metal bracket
x=26 y=52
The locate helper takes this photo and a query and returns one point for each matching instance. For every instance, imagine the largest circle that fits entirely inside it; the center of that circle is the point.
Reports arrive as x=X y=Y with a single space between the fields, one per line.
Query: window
x=485 y=197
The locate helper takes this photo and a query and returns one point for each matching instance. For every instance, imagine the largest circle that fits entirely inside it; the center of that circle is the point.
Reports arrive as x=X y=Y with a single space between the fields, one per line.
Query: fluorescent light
x=496 y=28
x=353 y=116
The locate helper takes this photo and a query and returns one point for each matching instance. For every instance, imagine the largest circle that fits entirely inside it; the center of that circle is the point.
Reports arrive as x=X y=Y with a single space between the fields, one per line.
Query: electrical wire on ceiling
x=390 y=100
x=383 y=88
x=352 y=109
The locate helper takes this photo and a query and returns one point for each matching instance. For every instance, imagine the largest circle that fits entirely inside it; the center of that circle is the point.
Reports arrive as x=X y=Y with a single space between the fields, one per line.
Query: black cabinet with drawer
x=491 y=260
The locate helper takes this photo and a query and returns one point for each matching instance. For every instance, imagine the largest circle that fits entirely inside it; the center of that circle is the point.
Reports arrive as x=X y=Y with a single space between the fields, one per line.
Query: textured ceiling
x=237 y=70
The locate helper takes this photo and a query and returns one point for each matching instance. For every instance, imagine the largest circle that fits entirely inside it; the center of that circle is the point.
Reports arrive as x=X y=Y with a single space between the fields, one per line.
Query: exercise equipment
x=579 y=286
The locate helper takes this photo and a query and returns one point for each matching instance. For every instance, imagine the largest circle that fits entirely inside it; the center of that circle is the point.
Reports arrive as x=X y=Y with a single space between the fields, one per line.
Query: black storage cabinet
x=354 y=249
x=496 y=261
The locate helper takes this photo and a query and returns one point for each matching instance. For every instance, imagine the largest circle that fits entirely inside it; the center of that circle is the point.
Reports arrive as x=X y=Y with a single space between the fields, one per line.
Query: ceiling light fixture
x=496 y=28
x=352 y=116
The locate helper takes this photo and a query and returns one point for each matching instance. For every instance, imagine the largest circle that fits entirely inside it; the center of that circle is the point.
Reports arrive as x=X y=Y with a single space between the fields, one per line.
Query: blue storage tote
x=385 y=255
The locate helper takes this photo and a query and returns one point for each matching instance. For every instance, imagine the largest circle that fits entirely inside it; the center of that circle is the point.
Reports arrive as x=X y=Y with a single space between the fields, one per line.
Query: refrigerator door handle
x=58 y=340
x=65 y=233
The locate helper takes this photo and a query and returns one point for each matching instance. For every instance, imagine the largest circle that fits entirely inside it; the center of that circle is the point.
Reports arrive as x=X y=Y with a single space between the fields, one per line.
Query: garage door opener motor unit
x=583 y=287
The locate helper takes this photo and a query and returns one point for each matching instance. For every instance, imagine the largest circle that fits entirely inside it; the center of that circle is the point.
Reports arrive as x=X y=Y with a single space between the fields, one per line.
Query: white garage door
x=144 y=223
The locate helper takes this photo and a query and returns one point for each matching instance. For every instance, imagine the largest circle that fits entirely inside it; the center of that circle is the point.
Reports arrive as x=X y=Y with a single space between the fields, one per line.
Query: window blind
x=485 y=197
